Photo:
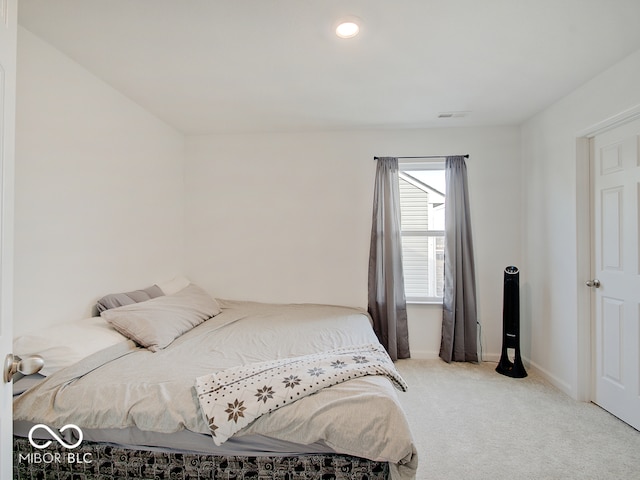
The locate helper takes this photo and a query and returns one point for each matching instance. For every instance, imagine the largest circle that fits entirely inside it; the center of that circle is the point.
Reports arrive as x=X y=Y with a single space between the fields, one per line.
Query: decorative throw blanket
x=233 y=398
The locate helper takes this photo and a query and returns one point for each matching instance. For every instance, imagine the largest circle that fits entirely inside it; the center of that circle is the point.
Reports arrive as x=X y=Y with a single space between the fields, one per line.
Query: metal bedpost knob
x=26 y=366
x=595 y=283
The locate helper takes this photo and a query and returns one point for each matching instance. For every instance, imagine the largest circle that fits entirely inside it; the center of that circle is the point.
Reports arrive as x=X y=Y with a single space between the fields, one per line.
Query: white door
x=8 y=30
x=616 y=271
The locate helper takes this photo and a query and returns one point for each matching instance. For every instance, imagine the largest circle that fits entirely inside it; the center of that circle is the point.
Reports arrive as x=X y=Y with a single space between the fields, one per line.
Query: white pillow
x=173 y=286
x=67 y=343
x=156 y=323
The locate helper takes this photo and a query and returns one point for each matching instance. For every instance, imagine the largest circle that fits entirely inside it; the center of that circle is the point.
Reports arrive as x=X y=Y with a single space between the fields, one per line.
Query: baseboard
x=432 y=355
x=424 y=355
x=552 y=379
x=490 y=357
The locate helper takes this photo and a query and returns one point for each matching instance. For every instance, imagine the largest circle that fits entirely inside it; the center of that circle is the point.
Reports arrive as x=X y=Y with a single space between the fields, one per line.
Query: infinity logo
x=55 y=435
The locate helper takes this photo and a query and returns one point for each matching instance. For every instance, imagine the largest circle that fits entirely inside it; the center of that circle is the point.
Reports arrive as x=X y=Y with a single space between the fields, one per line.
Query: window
x=422 y=201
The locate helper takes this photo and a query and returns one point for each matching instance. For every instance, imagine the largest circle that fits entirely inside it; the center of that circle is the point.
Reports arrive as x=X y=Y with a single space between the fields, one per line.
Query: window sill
x=425 y=302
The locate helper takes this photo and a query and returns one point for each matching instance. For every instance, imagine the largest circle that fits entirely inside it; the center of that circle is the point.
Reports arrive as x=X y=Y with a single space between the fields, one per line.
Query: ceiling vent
x=453 y=114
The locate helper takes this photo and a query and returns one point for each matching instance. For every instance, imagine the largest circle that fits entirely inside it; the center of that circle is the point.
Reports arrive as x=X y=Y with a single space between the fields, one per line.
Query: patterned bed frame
x=100 y=461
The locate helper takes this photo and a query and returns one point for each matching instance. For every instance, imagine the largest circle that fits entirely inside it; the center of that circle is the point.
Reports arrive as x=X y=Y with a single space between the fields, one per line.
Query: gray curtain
x=387 y=303
x=459 y=317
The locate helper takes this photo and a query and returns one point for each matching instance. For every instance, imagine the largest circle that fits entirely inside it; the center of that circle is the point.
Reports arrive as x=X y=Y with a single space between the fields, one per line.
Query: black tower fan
x=511 y=325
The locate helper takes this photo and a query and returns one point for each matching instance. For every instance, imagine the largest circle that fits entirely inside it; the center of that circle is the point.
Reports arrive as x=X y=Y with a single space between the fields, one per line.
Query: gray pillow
x=115 y=300
x=154 y=324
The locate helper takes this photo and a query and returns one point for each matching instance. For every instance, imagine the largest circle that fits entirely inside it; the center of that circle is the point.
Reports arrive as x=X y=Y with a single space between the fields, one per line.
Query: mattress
x=133 y=397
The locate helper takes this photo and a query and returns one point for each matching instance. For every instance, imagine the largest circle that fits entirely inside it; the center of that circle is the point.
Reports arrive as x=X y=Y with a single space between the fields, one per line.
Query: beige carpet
x=470 y=422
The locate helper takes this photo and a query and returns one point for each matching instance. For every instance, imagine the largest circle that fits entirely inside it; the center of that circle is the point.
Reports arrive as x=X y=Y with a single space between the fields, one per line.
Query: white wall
x=268 y=217
x=99 y=191
x=552 y=177
x=287 y=217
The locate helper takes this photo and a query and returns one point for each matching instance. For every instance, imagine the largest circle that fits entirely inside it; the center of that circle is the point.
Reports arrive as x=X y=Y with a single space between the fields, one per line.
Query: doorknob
x=595 y=283
x=26 y=366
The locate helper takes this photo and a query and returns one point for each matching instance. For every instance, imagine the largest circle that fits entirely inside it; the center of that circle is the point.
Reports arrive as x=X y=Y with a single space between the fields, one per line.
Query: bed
x=138 y=399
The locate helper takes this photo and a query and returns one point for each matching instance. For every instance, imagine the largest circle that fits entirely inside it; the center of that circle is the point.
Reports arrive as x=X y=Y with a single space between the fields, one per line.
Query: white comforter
x=234 y=398
x=126 y=386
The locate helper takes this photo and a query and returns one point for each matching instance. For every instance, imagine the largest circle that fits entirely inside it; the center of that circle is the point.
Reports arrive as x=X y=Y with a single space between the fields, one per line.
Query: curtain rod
x=431 y=156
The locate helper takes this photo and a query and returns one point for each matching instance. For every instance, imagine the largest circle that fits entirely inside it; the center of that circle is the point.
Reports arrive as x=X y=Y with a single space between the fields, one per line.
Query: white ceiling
x=275 y=65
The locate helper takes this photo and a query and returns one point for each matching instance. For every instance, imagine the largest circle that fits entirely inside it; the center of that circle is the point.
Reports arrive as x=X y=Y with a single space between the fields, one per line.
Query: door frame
x=8 y=52
x=584 y=233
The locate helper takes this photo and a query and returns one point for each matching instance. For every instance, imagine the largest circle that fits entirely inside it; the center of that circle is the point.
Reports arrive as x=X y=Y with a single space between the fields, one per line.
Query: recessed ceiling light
x=348 y=27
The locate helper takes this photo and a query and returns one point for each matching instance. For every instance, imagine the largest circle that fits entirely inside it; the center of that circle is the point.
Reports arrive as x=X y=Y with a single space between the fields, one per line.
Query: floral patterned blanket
x=233 y=398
